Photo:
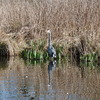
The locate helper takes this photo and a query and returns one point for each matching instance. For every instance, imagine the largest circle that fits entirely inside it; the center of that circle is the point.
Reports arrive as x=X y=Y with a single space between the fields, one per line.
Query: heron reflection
x=51 y=68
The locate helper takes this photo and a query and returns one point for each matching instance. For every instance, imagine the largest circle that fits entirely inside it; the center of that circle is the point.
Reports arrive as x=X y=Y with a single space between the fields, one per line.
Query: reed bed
x=74 y=23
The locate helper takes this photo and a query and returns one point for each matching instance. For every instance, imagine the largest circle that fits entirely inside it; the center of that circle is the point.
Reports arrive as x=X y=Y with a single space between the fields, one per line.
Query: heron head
x=48 y=31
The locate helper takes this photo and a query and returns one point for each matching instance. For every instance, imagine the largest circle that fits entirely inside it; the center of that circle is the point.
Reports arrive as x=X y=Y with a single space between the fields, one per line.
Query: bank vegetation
x=75 y=24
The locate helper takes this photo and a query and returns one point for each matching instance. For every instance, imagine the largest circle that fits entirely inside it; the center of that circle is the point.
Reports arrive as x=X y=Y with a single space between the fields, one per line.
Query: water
x=47 y=81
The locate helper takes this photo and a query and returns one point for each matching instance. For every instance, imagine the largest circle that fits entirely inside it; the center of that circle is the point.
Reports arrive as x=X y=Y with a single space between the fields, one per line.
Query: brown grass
x=71 y=21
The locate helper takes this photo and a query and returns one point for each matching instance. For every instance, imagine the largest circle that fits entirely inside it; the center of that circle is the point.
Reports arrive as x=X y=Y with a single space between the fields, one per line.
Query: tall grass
x=71 y=21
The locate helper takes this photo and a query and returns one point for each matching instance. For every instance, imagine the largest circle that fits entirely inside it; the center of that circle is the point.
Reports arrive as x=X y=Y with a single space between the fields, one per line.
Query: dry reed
x=71 y=21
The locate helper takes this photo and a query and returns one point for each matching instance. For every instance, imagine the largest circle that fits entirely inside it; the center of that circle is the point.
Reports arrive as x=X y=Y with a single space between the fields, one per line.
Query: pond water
x=47 y=81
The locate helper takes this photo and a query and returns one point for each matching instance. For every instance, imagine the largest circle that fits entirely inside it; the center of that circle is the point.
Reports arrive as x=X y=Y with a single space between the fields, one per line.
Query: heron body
x=51 y=50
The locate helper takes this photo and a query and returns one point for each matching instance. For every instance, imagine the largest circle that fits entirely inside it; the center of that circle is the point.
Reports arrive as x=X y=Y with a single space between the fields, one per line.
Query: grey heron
x=50 y=48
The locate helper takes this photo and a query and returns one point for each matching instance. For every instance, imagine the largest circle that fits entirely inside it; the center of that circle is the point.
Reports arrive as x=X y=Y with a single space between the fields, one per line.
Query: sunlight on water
x=47 y=81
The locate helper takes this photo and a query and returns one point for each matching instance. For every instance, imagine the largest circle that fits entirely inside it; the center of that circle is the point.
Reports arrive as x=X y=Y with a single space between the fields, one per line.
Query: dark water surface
x=47 y=81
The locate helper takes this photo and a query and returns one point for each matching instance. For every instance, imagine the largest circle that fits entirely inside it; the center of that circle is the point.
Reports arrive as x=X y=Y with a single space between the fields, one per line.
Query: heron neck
x=49 y=40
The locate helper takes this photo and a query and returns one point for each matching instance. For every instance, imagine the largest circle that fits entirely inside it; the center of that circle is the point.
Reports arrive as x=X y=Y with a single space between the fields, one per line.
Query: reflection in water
x=51 y=67
x=45 y=81
x=24 y=87
x=76 y=97
x=3 y=62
